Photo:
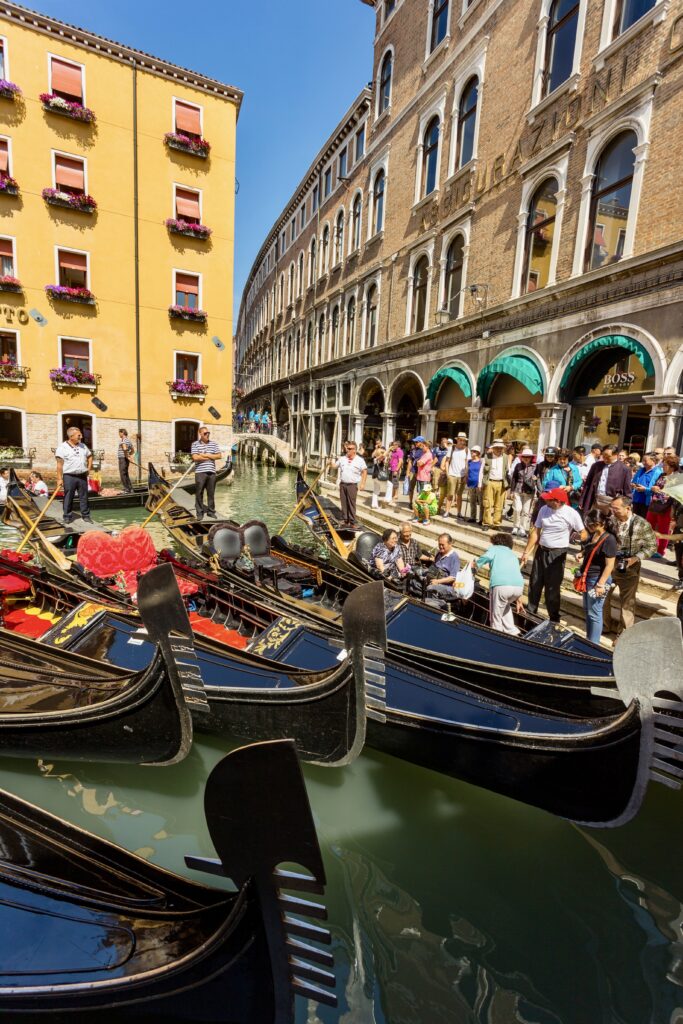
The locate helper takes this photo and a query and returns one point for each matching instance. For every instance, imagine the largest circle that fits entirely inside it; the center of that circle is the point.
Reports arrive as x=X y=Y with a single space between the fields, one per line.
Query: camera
x=621 y=564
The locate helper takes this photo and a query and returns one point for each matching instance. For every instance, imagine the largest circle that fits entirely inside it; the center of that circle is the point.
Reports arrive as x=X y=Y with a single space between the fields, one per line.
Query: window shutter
x=186 y=203
x=188 y=283
x=67 y=78
x=72 y=349
x=72 y=260
x=6 y=247
x=187 y=118
x=69 y=173
x=4 y=155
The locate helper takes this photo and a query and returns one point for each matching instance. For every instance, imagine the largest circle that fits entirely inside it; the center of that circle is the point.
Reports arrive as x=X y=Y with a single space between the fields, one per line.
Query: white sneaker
x=444 y=515
x=515 y=531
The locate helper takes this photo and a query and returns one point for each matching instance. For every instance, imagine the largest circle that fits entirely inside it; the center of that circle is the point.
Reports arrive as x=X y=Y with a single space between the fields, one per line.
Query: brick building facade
x=490 y=239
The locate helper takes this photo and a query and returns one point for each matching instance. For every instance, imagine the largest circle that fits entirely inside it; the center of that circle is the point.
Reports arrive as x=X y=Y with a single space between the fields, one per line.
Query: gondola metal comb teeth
x=311 y=968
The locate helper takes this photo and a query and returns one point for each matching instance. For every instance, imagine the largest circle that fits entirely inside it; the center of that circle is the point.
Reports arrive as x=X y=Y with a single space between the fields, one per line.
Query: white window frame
x=570 y=83
x=312 y=275
x=350 y=247
x=187 y=103
x=463 y=228
x=377 y=281
x=436 y=109
x=61 y=338
x=338 y=262
x=10 y=159
x=75 y=64
x=476 y=66
x=184 y=352
x=351 y=294
x=601 y=130
x=443 y=45
x=428 y=251
x=77 y=412
x=200 y=286
x=387 y=110
x=559 y=170
x=15 y=263
x=329 y=169
x=608 y=44
x=69 y=156
x=79 y=252
x=17 y=342
x=188 y=188
x=380 y=164
x=324 y=269
x=5 y=49
x=291 y=279
x=362 y=125
x=182 y=419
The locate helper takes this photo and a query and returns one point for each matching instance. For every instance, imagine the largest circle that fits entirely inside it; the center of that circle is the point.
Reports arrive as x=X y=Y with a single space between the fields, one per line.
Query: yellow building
x=113 y=165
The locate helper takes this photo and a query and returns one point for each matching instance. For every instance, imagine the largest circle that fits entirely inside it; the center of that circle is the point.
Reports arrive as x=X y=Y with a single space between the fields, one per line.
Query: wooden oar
x=300 y=503
x=338 y=542
x=37 y=520
x=167 y=496
x=55 y=554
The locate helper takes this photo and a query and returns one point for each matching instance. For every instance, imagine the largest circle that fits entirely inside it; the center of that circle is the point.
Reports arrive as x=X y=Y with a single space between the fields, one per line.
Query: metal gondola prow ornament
x=648 y=666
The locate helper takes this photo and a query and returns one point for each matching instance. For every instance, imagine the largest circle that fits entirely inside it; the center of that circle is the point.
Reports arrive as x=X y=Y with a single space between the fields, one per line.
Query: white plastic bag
x=464 y=582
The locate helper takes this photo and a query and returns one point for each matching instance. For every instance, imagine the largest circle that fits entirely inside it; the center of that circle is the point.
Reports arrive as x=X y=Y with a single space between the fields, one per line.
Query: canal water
x=447 y=904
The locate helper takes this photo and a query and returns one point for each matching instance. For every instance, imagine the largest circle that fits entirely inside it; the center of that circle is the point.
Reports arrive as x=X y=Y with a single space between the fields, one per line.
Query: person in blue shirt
x=506 y=583
x=643 y=480
x=448 y=562
x=566 y=476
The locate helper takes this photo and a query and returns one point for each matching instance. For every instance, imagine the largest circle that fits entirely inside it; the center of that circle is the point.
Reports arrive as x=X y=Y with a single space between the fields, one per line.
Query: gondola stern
x=365 y=635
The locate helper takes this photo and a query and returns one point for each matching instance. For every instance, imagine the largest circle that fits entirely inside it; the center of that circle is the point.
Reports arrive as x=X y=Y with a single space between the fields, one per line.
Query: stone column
x=428 y=428
x=552 y=420
x=665 y=420
x=388 y=428
x=357 y=428
x=479 y=418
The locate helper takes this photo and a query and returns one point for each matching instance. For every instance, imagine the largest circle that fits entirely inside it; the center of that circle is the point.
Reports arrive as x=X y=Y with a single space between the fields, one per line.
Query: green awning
x=609 y=341
x=520 y=367
x=454 y=373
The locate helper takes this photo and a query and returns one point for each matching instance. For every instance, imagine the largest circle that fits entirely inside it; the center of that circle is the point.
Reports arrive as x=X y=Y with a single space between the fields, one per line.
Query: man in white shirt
x=493 y=479
x=4 y=483
x=352 y=473
x=595 y=454
x=550 y=536
x=74 y=462
x=456 y=470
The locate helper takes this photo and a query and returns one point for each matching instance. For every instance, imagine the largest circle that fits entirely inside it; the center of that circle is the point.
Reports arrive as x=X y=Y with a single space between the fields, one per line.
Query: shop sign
x=9 y=313
x=619 y=380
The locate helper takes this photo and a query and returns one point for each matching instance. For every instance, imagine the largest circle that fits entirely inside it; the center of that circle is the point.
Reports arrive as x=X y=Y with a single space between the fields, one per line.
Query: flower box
x=178 y=461
x=11 y=374
x=67 y=108
x=9 y=283
x=8 y=186
x=20 y=458
x=186 y=144
x=188 y=313
x=79 y=201
x=61 y=291
x=71 y=377
x=187 y=389
x=97 y=458
x=184 y=227
x=8 y=90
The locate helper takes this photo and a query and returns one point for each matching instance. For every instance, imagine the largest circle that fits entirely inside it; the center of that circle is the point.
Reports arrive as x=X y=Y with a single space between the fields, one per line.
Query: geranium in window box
x=70 y=200
x=187 y=144
x=9 y=283
x=72 y=377
x=188 y=228
x=66 y=294
x=8 y=186
x=13 y=373
x=8 y=90
x=187 y=389
x=188 y=313
x=67 y=108
x=20 y=458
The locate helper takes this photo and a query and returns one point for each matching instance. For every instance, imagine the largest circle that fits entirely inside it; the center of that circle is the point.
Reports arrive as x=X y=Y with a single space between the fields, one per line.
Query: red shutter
x=69 y=172
x=188 y=283
x=187 y=119
x=4 y=156
x=186 y=203
x=67 y=78
x=72 y=260
x=75 y=349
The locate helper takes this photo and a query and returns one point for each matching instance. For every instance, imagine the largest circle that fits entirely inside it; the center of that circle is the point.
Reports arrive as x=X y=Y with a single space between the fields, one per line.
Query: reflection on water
x=448 y=904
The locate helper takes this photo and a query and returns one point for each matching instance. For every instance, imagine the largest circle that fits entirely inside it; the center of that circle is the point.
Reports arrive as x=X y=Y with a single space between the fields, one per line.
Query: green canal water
x=447 y=904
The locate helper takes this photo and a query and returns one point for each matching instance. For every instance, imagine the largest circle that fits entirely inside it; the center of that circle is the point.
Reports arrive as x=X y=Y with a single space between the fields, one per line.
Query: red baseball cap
x=557 y=494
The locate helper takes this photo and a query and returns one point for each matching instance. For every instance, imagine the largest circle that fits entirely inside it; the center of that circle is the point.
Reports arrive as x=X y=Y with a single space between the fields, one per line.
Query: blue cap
x=420 y=438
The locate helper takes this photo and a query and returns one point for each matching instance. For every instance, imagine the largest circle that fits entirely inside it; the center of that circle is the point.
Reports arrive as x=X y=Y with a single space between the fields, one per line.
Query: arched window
x=282 y=293
x=385 y=82
x=300 y=278
x=467 y=122
x=430 y=156
x=290 y=284
x=420 y=280
x=335 y=332
x=560 y=43
x=610 y=200
x=371 y=321
x=439 y=23
x=538 y=242
x=350 y=341
x=389 y=6
x=339 y=238
x=297 y=351
x=311 y=263
x=357 y=215
x=628 y=12
x=288 y=355
x=309 y=343
x=453 y=276
x=320 y=351
x=325 y=249
x=378 y=203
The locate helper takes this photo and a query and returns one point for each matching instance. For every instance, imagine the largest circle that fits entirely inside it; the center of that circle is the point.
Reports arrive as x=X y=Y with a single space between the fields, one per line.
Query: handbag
x=660 y=501
x=580 y=581
x=382 y=475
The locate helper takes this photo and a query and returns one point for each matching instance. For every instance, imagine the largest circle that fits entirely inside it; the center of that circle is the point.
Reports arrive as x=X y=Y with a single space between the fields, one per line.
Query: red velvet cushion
x=11 y=584
x=137 y=549
x=100 y=553
x=206 y=627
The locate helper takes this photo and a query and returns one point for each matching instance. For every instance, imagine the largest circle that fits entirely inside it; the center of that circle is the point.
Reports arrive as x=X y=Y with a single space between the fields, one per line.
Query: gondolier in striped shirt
x=205 y=454
x=126 y=453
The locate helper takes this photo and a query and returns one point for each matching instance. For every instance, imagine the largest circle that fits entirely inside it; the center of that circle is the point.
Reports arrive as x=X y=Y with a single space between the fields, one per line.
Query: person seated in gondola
x=36 y=485
x=386 y=556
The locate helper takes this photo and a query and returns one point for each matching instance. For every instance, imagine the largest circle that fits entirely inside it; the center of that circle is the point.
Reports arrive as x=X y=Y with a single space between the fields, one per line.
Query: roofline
x=344 y=127
x=118 y=52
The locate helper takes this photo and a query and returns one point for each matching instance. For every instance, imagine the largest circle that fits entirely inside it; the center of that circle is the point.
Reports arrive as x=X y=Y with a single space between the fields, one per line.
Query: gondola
x=91 y=932
x=571 y=752
x=56 y=703
x=248 y=695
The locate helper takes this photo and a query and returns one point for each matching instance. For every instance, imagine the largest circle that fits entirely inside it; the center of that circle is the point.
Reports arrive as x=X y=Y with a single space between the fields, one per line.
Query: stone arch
x=528 y=353
x=647 y=340
x=406 y=377
x=364 y=390
x=442 y=376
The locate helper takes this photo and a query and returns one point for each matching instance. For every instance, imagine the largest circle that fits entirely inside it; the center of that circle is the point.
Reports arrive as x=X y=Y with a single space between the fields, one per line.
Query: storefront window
x=607 y=399
x=513 y=414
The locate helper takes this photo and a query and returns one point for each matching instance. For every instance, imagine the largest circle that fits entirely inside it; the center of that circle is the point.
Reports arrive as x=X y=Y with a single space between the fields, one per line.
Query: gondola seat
x=225 y=540
x=127 y=557
x=362 y=550
x=257 y=539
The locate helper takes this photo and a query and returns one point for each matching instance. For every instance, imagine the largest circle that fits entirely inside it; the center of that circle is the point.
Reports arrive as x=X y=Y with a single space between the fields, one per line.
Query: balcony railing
x=11 y=374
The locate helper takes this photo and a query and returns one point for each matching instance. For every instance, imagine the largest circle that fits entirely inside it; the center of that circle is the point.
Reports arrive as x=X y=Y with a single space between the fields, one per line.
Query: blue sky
x=300 y=63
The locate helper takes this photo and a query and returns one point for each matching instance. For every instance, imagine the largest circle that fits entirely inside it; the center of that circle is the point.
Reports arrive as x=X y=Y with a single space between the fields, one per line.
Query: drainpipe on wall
x=391 y=295
x=136 y=235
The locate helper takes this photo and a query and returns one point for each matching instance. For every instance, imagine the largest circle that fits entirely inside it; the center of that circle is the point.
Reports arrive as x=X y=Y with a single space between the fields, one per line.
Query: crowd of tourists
x=254 y=421
x=612 y=502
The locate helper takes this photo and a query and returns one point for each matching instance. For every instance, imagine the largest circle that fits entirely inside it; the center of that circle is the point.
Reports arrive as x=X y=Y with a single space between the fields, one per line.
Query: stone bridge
x=264 y=448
